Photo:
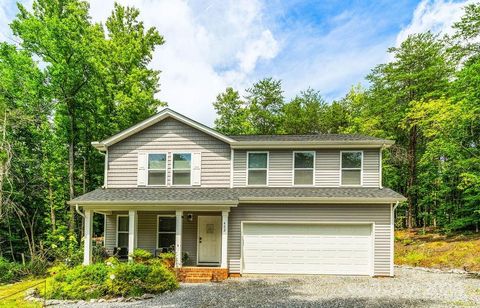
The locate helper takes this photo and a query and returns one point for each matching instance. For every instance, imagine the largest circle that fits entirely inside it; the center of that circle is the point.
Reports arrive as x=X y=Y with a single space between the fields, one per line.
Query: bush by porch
x=111 y=279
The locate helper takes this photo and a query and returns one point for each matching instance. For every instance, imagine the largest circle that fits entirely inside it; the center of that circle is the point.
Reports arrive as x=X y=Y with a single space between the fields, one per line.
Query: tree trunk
x=3 y=164
x=52 y=207
x=10 y=240
x=71 y=165
x=412 y=172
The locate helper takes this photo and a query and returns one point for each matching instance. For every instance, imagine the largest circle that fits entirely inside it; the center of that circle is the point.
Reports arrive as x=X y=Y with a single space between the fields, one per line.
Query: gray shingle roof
x=315 y=137
x=234 y=195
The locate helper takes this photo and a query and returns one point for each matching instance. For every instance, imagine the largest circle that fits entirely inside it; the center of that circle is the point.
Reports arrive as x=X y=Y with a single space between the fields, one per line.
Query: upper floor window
x=303 y=168
x=257 y=163
x=157 y=169
x=182 y=169
x=351 y=167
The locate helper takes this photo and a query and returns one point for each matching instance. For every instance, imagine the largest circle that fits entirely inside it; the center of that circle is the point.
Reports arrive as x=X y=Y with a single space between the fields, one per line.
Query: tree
x=99 y=84
x=231 y=113
x=303 y=114
x=419 y=71
x=59 y=32
x=128 y=84
x=265 y=103
x=23 y=109
x=465 y=43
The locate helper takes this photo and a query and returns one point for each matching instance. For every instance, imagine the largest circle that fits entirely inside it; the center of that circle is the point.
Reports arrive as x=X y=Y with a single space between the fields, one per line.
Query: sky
x=212 y=44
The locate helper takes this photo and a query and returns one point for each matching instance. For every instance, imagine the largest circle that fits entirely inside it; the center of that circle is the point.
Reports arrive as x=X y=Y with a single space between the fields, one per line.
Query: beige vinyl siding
x=280 y=168
x=327 y=168
x=239 y=168
x=371 y=168
x=378 y=214
x=111 y=231
x=327 y=171
x=167 y=136
x=147 y=236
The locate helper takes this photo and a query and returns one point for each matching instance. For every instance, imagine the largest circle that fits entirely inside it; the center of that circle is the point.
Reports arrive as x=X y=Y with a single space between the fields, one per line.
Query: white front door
x=209 y=239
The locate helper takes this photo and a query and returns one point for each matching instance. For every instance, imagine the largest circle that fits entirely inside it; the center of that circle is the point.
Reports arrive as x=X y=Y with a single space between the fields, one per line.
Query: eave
x=311 y=144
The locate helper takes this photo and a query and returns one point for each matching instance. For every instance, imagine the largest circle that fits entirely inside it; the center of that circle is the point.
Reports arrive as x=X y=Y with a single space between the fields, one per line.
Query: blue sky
x=326 y=45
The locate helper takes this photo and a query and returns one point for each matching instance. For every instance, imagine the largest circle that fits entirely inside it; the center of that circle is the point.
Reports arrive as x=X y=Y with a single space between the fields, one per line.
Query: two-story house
x=297 y=204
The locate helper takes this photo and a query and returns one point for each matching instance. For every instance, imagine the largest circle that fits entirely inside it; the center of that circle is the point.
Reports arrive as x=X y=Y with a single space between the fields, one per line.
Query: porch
x=199 y=238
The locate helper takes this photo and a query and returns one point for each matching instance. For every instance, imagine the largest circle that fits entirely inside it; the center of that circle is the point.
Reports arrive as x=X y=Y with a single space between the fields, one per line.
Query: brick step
x=199 y=277
x=197 y=280
x=203 y=274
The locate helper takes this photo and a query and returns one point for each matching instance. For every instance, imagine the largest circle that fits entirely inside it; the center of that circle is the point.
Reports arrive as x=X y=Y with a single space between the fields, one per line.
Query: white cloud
x=218 y=43
x=437 y=16
x=209 y=46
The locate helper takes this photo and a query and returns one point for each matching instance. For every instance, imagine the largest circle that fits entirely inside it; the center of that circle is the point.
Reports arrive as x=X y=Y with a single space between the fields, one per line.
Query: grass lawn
x=17 y=300
x=430 y=249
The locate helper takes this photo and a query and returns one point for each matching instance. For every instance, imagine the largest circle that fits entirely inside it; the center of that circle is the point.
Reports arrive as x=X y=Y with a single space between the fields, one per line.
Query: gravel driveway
x=410 y=288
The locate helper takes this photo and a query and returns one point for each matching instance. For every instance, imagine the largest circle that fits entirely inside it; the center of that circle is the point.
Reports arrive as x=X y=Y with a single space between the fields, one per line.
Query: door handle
x=200 y=239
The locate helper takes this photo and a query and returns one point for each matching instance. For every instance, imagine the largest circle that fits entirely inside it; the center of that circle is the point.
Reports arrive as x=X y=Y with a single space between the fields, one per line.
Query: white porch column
x=178 y=239
x=224 y=238
x=132 y=232
x=87 y=249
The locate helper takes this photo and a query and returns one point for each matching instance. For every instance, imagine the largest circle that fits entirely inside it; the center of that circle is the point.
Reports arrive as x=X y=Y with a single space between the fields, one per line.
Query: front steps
x=191 y=274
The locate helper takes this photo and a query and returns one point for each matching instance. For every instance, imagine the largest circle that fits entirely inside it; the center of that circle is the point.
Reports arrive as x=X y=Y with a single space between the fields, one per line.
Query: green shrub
x=80 y=282
x=63 y=246
x=111 y=278
x=141 y=255
x=127 y=279
x=168 y=259
x=10 y=271
x=99 y=254
x=160 y=279
x=36 y=267
x=414 y=257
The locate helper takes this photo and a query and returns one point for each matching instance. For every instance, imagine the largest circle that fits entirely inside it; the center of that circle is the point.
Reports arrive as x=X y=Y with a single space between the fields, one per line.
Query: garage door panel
x=307 y=248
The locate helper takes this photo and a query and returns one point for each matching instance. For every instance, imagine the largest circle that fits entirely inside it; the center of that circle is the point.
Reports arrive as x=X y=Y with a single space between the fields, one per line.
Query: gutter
x=290 y=200
x=154 y=202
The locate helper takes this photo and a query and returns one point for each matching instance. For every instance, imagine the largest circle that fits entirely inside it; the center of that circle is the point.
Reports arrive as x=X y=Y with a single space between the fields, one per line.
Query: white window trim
x=313 y=169
x=166 y=168
x=117 y=231
x=172 y=169
x=266 y=169
x=361 y=168
x=158 y=232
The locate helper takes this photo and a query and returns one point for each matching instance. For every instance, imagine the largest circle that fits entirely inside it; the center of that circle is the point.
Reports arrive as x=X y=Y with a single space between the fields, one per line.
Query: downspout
x=78 y=211
x=392 y=237
x=380 y=182
x=398 y=202
x=105 y=169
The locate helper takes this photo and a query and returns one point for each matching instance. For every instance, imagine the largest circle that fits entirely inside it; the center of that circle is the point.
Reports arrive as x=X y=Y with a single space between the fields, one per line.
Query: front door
x=209 y=239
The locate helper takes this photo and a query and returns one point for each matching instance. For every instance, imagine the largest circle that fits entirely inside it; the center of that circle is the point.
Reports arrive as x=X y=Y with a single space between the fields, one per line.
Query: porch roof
x=234 y=196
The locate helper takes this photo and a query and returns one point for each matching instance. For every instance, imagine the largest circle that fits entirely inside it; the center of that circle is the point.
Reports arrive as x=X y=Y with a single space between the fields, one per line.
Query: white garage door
x=287 y=248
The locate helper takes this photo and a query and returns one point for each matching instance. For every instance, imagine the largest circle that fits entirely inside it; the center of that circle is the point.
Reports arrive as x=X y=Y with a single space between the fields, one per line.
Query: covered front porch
x=197 y=236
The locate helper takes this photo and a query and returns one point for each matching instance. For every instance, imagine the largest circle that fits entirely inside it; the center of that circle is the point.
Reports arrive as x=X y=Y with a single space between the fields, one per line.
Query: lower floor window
x=166 y=233
x=122 y=232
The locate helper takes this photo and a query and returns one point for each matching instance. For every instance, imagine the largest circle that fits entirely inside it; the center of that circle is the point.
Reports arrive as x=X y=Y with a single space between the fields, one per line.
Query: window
x=303 y=166
x=257 y=168
x=122 y=231
x=157 y=169
x=166 y=233
x=352 y=168
x=182 y=167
